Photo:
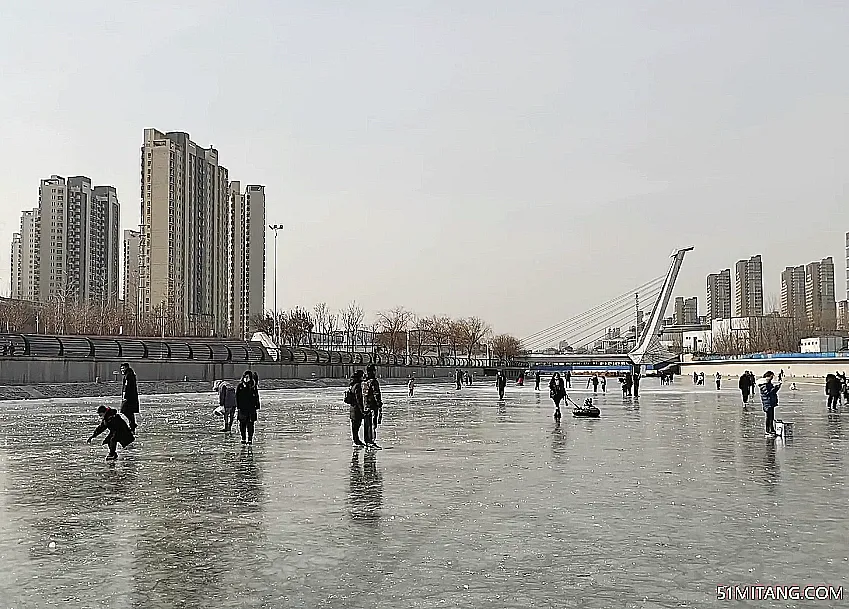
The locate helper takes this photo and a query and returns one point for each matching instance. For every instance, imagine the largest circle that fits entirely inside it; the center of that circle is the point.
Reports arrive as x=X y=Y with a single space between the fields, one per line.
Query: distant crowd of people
x=240 y=402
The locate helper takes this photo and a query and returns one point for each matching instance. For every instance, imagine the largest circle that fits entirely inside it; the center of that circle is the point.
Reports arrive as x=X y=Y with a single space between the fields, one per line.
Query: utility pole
x=276 y=327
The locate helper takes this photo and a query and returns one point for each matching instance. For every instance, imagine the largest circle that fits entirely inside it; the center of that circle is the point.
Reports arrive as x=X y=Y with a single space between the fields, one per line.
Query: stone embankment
x=94 y=390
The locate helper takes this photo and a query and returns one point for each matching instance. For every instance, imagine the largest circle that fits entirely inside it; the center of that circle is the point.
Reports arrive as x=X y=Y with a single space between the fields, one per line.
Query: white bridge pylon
x=648 y=349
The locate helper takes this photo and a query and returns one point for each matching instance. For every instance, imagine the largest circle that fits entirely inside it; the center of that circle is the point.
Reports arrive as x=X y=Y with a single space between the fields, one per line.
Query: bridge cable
x=610 y=310
x=556 y=328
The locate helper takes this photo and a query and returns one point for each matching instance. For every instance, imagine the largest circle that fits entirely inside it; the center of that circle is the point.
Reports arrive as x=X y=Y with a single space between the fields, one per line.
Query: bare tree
x=332 y=329
x=473 y=330
x=320 y=317
x=456 y=336
x=505 y=346
x=262 y=322
x=440 y=331
x=17 y=316
x=352 y=321
x=771 y=303
x=392 y=326
x=296 y=327
x=422 y=333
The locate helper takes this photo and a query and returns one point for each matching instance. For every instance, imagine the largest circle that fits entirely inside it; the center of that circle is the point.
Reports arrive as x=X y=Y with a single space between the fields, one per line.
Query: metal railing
x=217 y=351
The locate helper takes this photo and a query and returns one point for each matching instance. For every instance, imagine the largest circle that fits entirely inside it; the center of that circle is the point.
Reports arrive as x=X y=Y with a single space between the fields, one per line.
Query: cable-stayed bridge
x=616 y=331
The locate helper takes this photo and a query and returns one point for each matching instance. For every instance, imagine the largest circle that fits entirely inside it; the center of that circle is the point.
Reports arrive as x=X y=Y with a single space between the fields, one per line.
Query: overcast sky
x=520 y=161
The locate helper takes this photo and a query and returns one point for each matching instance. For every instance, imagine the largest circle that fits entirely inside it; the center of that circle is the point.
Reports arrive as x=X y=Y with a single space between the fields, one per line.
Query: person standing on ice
x=745 y=386
x=247 y=403
x=129 y=395
x=718 y=378
x=537 y=379
x=411 y=385
x=833 y=388
x=557 y=391
x=227 y=401
x=769 y=400
x=119 y=431
x=354 y=399
x=372 y=407
x=501 y=383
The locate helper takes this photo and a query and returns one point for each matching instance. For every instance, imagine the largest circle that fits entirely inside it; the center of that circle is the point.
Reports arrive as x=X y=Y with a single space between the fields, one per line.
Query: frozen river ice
x=474 y=503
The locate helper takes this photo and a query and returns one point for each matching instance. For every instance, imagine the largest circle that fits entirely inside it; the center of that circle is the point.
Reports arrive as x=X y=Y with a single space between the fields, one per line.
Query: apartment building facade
x=793 y=292
x=719 y=295
x=183 y=250
x=749 y=290
x=246 y=257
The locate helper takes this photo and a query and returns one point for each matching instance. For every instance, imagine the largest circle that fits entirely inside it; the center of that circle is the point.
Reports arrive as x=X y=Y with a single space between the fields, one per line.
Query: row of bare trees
x=94 y=319
x=771 y=334
x=396 y=331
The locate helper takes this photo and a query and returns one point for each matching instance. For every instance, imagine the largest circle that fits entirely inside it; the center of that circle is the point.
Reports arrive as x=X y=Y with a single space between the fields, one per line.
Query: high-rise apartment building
x=821 y=307
x=27 y=278
x=749 y=288
x=719 y=295
x=686 y=310
x=847 y=266
x=77 y=236
x=15 y=283
x=793 y=299
x=691 y=310
x=183 y=252
x=132 y=242
x=101 y=277
x=678 y=316
x=53 y=281
x=246 y=257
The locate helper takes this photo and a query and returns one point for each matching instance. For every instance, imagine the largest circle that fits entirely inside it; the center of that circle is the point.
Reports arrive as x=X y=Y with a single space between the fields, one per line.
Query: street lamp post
x=276 y=327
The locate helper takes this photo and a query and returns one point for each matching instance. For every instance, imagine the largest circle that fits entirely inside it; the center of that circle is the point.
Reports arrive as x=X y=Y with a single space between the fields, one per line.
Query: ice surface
x=475 y=503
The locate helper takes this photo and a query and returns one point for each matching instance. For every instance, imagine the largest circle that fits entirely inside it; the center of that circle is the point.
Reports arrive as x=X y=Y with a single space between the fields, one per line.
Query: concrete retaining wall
x=31 y=371
x=791 y=367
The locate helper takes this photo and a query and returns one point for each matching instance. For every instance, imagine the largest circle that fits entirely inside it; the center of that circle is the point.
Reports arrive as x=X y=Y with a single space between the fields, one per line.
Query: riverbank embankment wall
x=31 y=371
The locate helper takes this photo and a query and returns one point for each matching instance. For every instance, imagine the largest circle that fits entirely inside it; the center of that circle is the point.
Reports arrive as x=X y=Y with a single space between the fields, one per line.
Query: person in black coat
x=557 y=391
x=119 y=431
x=247 y=403
x=129 y=395
x=833 y=388
x=354 y=399
x=501 y=383
x=372 y=403
x=745 y=386
x=537 y=379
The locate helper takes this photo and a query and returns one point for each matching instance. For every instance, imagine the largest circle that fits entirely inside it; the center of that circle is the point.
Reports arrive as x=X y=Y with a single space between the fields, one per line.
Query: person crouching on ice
x=119 y=431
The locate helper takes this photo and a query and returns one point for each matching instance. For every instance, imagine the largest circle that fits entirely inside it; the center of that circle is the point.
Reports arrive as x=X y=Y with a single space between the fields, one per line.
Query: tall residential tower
x=246 y=257
x=793 y=301
x=749 y=288
x=719 y=295
x=183 y=249
x=821 y=307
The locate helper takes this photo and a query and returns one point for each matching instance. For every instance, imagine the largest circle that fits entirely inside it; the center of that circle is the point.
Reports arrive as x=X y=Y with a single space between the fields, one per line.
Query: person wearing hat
x=354 y=399
x=119 y=431
x=769 y=400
